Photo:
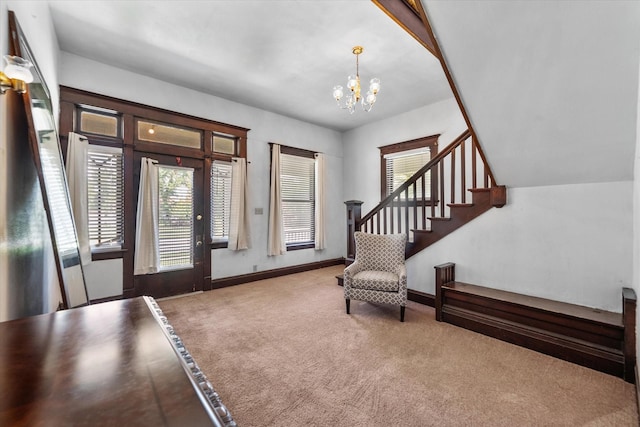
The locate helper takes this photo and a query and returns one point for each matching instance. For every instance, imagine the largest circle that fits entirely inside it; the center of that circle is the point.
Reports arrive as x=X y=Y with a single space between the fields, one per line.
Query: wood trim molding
x=269 y=274
x=597 y=339
x=408 y=18
x=637 y=388
x=421 y=297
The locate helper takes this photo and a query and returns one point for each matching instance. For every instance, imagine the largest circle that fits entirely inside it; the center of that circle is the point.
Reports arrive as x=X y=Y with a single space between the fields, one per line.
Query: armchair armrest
x=351 y=271
x=401 y=271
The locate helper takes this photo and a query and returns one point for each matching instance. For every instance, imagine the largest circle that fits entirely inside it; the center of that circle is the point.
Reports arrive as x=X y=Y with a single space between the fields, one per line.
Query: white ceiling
x=280 y=56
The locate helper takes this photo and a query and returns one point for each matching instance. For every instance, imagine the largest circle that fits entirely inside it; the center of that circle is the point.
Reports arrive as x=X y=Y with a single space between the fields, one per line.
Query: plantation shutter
x=401 y=166
x=220 y=200
x=105 y=188
x=298 y=202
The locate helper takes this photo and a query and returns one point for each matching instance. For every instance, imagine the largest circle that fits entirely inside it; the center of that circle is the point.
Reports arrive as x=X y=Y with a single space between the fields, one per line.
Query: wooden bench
x=601 y=340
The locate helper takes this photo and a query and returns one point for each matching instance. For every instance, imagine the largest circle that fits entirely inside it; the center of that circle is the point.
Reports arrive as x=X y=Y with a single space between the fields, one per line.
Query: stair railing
x=427 y=194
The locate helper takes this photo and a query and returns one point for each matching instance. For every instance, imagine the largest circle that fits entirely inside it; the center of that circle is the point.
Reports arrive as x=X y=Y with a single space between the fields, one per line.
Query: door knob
x=199 y=243
x=199 y=217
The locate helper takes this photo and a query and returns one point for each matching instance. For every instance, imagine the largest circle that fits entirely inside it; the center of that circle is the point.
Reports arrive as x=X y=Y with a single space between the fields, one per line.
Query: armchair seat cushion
x=376 y=281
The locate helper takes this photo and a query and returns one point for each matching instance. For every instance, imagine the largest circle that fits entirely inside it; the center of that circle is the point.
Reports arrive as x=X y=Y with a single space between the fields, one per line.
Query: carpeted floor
x=283 y=352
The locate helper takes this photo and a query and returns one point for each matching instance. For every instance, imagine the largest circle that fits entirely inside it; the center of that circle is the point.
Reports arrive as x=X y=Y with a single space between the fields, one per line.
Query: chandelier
x=353 y=84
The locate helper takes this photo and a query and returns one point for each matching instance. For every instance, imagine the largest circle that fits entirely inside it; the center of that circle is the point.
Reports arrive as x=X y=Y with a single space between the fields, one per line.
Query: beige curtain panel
x=239 y=218
x=276 y=245
x=147 y=255
x=320 y=179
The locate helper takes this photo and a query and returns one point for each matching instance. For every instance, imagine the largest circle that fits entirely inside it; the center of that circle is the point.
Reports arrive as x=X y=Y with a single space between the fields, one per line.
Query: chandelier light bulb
x=338 y=92
x=354 y=96
x=374 y=85
x=352 y=82
x=370 y=98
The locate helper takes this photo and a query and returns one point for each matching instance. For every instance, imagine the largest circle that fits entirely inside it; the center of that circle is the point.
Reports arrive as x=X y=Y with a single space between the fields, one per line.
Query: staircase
x=453 y=188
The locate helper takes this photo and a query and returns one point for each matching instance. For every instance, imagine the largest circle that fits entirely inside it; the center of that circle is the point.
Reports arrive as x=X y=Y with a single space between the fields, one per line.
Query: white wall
x=570 y=243
x=635 y=284
x=103 y=278
x=82 y=73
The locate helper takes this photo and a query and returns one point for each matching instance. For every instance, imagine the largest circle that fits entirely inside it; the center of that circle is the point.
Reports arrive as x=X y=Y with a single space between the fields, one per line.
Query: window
x=99 y=121
x=401 y=161
x=175 y=217
x=105 y=200
x=168 y=134
x=224 y=144
x=297 y=184
x=220 y=200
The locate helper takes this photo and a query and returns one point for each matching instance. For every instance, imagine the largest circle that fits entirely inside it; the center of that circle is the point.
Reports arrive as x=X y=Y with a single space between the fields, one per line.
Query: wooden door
x=181 y=226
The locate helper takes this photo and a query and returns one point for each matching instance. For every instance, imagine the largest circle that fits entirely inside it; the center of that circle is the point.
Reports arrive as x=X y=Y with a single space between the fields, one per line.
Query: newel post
x=353 y=218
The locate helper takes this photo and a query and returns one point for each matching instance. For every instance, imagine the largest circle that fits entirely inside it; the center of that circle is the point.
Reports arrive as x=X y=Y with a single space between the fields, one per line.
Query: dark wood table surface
x=105 y=364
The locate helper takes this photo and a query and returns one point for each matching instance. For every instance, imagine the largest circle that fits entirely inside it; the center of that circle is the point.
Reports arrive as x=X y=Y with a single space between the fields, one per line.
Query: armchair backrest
x=380 y=252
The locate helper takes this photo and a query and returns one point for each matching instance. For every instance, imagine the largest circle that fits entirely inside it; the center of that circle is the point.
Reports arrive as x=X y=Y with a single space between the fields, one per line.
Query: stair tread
x=439 y=218
x=460 y=205
x=479 y=190
x=422 y=231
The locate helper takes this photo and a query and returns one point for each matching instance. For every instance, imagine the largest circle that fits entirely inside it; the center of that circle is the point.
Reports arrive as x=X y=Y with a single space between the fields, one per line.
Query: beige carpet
x=283 y=352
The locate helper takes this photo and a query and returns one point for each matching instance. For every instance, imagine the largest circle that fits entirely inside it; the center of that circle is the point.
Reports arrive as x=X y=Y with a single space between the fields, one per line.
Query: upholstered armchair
x=378 y=274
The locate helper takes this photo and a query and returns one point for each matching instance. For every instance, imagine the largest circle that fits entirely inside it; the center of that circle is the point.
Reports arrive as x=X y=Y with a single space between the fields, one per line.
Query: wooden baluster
x=399 y=211
x=474 y=179
x=415 y=205
x=463 y=177
x=452 y=185
x=391 y=219
x=435 y=182
x=424 y=202
x=441 y=184
x=384 y=219
x=406 y=212
x=378 y=223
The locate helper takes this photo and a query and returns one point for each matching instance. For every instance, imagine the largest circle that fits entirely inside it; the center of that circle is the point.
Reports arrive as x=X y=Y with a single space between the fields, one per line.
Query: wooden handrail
x=433 y=162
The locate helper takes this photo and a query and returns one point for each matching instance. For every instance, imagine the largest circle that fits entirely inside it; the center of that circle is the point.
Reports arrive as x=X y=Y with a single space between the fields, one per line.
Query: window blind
x=297 y=175
x=105 y=202
x=220 y=200
x=401 y=166
x=175 y=217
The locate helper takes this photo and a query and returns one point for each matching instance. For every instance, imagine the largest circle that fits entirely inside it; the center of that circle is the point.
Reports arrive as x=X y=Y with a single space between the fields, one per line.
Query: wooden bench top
x=572 y=310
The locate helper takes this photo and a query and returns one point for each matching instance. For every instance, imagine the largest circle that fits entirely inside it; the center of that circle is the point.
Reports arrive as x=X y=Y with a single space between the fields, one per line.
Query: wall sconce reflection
x=16 y=74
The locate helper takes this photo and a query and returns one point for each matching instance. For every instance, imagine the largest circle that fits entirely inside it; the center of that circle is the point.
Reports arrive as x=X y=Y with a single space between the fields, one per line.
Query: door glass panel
x=165 y=134
x=175 y=222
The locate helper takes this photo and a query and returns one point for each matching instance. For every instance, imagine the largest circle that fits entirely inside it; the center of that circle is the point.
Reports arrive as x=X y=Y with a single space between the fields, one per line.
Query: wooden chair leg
x=348 y=301
x=402 y=307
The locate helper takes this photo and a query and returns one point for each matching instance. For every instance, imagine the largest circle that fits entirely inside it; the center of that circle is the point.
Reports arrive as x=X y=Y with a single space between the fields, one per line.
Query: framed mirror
x=47 y=156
